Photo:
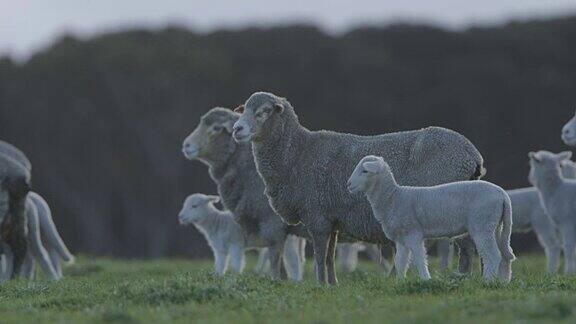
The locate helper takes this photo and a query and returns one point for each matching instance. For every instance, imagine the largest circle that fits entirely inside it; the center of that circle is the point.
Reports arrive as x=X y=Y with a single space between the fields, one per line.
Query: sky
x=29 y=25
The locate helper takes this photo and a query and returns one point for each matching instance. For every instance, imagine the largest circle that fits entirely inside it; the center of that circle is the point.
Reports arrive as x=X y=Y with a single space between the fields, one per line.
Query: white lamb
x=226 y=237
x=409 y=215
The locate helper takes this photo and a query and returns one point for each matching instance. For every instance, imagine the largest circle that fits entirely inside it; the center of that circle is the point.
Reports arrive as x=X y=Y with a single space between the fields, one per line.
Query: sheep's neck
x=212 y=222
x=381 y=197
x=276 y=153
x=549 y=183
x=223 y=160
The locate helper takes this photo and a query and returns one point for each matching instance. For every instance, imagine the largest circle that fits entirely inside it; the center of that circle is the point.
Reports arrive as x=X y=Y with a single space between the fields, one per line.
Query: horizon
x=37 y=28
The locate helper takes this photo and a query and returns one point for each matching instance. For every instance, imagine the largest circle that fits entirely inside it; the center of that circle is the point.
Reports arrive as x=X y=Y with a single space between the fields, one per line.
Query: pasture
x=169 y=290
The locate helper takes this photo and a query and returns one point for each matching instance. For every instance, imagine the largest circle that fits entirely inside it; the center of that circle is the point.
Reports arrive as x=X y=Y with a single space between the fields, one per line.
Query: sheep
x=305 y=172
x=529 y=214
x=409 y=215
x=231 y=167
x=569 y=132
x=225 y=236
x=14 y=188
x=557 y=198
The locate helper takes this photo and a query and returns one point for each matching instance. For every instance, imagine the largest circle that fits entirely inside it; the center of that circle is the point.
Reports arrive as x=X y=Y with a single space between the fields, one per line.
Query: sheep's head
x=569 y=132
x=213 y=132
x=258 y=115
x=544 y=163
x=367 y=172
x=568 y=169
x=196 y=208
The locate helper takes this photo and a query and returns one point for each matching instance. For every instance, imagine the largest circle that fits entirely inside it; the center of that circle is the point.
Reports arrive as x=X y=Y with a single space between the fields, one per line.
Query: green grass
x=164 y=291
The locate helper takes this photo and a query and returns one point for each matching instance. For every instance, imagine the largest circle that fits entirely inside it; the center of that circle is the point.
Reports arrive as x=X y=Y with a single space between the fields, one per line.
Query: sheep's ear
x=372 y=166
x=214 y=199
x=566 y=155
x=533 y=156
x=239 y=109
x=278 y=107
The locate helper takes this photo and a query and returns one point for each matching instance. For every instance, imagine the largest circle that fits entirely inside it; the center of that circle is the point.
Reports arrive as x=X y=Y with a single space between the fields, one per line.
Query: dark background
x=103 y=119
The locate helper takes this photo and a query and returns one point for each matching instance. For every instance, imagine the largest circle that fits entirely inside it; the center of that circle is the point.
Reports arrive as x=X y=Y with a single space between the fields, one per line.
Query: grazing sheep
x=569 y=132
x=557 y=197
x=231 y=167
x=305 y=172
x=224 y=235
x=411 y=214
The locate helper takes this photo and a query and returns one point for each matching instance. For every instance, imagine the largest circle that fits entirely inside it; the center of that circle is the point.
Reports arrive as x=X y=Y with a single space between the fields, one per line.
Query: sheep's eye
x=217 y=128
x=364 y=171
x=194 y=206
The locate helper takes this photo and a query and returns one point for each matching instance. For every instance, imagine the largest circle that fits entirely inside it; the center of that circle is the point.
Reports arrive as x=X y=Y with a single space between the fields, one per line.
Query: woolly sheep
x=231 y=167
x=569 y=132
x=411 y=214
x=226 y=237
x=557 y=197
x=305 y=172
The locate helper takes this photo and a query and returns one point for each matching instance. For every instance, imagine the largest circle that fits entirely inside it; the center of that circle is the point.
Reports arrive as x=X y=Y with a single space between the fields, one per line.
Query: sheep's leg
x=401 y=260
x=27 y=270
x=331 y=258
x=416 y=246
x=347 y=257
x=261 y=263
x=220 y=262
x=275 y=258
x=569 y=241
x=9 y=260
x=55 y=258
x=237 y=260
x=546 y=234
x=292 y=258
x=445 y=251
x=320 y=243
x=466 y=254
x=487 y=247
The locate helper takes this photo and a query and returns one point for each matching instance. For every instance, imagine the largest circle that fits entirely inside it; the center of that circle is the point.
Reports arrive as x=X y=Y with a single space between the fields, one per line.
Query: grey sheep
x=305 y=171
x=231 y=167
x=557 y=196
x=409 y=215
x=569 y=132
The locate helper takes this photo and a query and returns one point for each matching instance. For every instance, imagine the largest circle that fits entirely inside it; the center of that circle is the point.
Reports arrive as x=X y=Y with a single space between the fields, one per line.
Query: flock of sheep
x=282 y=184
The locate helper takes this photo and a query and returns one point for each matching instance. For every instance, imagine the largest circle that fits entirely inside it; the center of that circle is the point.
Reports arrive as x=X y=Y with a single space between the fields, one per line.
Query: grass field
x=164 y=291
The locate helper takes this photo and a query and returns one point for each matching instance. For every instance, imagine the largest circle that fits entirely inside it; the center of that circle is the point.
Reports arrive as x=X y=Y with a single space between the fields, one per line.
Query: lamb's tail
x=504 y=241
x=505 y=269
x=48 y=228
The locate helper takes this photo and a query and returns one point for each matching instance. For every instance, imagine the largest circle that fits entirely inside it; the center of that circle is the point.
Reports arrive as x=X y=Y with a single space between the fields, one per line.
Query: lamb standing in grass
x=409 y=215
x=529 y=214
x=224 y=235
x=557 y=196
x=226 y=238
x=231 y=167
x=305 y=172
